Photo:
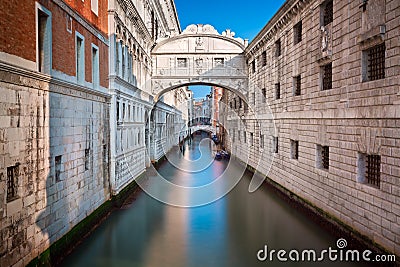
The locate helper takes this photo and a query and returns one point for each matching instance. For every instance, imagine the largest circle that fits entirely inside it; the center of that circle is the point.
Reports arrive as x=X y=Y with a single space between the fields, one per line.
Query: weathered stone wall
x=39 y=122
x=355 y=116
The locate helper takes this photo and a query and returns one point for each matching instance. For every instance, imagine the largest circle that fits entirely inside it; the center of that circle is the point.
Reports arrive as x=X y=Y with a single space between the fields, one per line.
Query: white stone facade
x=354 y=117
x=134 y=134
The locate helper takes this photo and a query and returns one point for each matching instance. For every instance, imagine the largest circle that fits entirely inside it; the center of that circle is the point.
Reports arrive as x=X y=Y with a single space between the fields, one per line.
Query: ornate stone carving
x=324 y=38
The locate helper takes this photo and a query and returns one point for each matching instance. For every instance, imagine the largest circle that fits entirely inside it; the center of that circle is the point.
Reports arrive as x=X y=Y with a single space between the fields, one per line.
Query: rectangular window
x=264 y=58
x=297 y=85
x=123 y=61
x=254 y=98
x=326 y=76
x=95 y=66
x=278 y=48
x=118 y=111
x=182 y=62
x=123 y=111
x=244 y=137
x=80 y=58
x=253 y=66
x=251 y=139
x=322 y=157
x=95 y=7
x=218 y=62
x=264 y=95
x=87 y=159
x=57 y=167
x=277 y=91
x=12 y=182
x=44 y=41
x=294 y=149
x=373 y=170
x=69 y=23
x=275 y=145
x=238 y=135
x=327 y=12
x=240 y=103
x=261 y=140
x=297 y=32
x=375 y=62
x=369 y=169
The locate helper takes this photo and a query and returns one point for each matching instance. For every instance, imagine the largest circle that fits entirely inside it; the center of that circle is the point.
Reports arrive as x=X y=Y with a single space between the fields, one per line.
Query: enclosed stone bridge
x=205 y=128
x=200 y=55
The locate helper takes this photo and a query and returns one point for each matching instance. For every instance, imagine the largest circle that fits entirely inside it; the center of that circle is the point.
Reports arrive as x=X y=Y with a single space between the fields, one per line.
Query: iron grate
x=376 y=62
x=373 y=171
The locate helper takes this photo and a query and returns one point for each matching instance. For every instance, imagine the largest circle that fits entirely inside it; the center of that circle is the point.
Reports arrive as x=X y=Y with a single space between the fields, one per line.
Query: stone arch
x=234 y=89
x=199 y=55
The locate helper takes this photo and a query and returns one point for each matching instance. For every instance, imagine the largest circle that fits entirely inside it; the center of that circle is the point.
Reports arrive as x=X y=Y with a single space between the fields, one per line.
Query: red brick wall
x=18 y=29
x=18 y=35
x=85 y=9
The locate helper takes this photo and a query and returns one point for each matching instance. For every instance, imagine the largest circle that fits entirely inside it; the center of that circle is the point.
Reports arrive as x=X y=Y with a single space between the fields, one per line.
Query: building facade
x=76 y=112
x=328 y=74
x=135 y=26
x=54 y=121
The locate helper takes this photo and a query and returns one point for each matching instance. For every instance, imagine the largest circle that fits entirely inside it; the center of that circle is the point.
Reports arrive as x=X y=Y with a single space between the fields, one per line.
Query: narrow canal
x=227 y=232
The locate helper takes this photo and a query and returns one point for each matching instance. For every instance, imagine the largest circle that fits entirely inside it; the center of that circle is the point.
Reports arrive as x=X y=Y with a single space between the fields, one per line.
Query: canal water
x=228 y=232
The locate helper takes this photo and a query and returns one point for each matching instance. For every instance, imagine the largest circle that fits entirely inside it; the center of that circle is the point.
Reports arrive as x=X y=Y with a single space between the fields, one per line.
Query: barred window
x=12 y=182
x=261 y=140
x=327 y=12
x=218 y=62
x=182 y=62
x=264 y=58
x=297 y=31
x=277 y=91
x=264 y=95
x=294 y=145
x=57 y=166
x=369 y=169
x=373 y=170
x=275 y=144
x=253 y=66
x=87 y=159
x=322 y=157
x=278 y=48
x=376 y=62
x=327 y=76
x=297 y=85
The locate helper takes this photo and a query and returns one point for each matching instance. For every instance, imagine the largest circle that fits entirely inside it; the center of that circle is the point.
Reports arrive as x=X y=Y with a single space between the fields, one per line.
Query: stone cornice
x=183 y=36
x=289 y=9
x=81 y=20
x=47 y=79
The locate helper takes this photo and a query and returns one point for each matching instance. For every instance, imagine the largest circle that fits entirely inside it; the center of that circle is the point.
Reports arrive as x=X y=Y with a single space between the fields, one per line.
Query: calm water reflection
x=228 y=232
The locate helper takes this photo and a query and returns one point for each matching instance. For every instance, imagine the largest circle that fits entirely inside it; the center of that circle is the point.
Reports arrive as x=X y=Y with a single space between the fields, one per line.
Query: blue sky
x=245 y=18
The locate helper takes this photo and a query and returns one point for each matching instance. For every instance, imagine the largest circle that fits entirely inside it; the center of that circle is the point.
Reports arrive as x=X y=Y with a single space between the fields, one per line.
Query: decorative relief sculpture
x=199 y=43
x=209 y=29
x=325 y=38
